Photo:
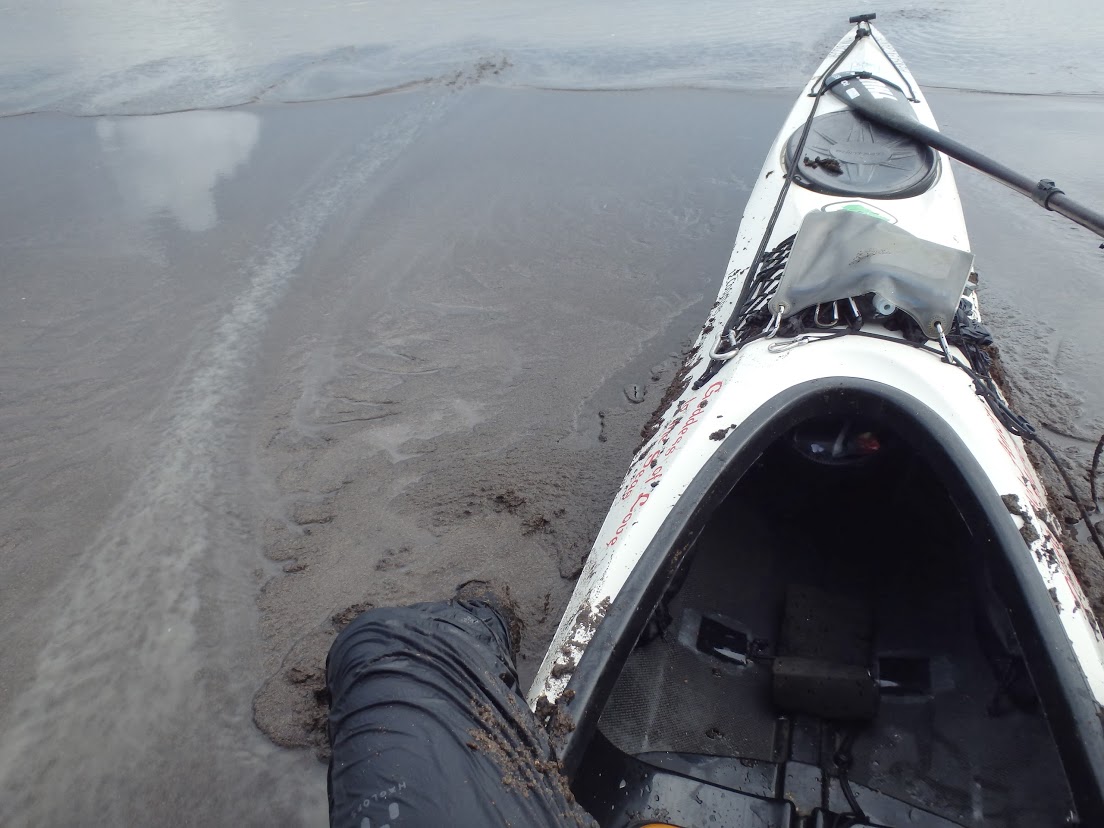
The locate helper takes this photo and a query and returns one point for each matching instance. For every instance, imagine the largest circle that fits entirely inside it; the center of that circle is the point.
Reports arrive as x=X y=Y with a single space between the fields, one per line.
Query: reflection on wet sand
x=171 y=163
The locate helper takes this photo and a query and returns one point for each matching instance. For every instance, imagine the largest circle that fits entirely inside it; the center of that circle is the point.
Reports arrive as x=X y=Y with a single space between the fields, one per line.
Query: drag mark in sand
x=142 y=673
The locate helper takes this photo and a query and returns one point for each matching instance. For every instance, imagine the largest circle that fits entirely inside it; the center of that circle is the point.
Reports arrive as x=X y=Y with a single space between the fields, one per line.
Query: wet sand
x=464 y=415
x=278 y=361
x=324 y=336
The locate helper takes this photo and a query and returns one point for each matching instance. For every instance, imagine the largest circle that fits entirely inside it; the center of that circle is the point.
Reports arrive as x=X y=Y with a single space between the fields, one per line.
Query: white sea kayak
x=830 y=590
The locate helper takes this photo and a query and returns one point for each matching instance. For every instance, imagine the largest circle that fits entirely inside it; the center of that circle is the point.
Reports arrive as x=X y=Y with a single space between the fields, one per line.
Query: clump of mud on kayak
x=678 y=384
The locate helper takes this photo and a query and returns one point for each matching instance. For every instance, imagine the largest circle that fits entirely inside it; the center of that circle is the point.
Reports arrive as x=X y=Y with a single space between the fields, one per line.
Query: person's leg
x=427 y=725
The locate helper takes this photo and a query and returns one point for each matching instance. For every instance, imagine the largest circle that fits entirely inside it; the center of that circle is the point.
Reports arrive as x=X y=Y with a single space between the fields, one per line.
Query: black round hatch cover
x=845 y=154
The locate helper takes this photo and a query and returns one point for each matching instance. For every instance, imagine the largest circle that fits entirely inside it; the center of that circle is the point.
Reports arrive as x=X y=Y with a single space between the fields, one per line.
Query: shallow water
x=137 y=56
x=382 y=344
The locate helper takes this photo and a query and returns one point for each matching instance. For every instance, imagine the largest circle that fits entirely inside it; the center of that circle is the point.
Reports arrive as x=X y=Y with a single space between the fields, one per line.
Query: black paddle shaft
x=1044 y=192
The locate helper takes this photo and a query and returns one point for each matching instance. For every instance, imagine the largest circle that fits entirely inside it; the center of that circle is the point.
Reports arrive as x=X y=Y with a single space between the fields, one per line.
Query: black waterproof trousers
x=428 y=727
